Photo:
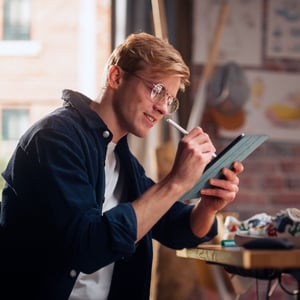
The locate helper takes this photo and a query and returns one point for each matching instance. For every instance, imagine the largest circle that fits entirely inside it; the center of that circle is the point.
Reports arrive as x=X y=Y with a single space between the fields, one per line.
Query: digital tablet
x=239 y=149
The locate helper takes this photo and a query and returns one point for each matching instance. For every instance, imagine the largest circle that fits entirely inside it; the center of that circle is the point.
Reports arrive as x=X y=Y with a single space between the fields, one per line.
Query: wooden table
x=285 y=261
x=247 y=259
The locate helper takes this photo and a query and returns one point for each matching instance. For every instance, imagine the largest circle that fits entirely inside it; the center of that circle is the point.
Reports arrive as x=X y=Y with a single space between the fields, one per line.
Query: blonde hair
x=141 y=49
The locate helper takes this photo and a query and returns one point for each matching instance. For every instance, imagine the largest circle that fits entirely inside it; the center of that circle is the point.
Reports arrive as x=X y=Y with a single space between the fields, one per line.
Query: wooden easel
x=213 y=52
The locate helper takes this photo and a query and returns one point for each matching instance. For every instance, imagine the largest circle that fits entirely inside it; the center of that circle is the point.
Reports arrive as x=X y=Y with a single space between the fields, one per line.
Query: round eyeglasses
x=158 y=94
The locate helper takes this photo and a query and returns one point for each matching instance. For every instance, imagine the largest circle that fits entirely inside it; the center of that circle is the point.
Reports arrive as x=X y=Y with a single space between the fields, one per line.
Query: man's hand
x=194 y=152
x=221 y=193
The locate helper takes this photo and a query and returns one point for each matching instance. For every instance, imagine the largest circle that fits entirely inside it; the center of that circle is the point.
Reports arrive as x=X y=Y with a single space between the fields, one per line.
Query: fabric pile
x=285 y=225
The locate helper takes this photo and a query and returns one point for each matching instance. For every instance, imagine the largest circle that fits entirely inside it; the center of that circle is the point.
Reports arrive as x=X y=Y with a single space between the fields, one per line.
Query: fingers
x=223 y=196
x=193 y=154
x=222 y=188
x=231 y=181
x=238 y=167
x=200 y=140
x=225 y=189
x=231 y=176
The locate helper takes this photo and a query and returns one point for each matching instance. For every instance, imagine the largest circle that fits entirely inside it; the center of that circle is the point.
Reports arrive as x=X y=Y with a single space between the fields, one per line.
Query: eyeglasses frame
x=162 y=89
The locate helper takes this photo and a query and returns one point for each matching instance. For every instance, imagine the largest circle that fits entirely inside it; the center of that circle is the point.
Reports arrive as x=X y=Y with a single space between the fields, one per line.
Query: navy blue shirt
x=52 y=210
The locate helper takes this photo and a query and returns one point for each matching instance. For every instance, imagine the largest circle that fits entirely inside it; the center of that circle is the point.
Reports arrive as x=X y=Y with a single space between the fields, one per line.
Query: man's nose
x=162 y=105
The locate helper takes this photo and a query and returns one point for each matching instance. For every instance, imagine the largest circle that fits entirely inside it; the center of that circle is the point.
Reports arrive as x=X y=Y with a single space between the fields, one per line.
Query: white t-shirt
x=96 y=286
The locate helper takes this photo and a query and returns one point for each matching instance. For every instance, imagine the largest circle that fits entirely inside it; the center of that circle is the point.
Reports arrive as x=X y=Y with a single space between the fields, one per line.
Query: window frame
x=20 y=110
x=18 y=30
x=17 y=47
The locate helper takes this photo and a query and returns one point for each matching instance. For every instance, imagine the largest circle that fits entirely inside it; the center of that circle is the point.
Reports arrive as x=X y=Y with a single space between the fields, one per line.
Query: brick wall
x=271 y=180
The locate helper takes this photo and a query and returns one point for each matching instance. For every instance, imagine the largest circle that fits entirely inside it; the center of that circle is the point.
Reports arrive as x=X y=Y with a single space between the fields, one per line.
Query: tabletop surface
x=240 y=257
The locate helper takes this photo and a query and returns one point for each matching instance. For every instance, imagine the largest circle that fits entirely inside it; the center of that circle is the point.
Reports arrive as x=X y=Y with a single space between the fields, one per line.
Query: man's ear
x=114 y=76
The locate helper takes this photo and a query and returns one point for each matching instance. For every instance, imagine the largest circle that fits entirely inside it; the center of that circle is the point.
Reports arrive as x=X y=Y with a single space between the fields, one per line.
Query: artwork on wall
x=272 y=108
x=268 y=54
x=242 y=36
x=283 y=29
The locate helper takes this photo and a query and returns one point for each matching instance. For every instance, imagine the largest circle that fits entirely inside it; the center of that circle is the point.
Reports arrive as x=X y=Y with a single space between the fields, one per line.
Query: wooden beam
x=159 y=19
x=199 y=101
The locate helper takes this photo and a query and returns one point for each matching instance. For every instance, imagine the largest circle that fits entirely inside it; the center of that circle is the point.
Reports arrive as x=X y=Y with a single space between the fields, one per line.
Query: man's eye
x=158 y=89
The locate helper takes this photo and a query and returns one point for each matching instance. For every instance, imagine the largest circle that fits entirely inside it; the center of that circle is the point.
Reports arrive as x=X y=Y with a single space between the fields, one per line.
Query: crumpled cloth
x=285 y=224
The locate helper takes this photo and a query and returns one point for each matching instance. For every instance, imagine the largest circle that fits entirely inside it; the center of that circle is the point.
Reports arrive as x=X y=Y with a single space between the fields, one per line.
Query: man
x=78 y=212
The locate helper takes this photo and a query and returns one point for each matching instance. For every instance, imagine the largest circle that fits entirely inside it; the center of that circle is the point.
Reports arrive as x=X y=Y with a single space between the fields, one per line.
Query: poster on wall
x=272 y=107
x=283 y=29
x=242 y=35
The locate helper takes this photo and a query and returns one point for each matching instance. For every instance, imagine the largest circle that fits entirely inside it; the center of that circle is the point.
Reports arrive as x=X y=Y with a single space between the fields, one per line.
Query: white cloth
x=96 y=286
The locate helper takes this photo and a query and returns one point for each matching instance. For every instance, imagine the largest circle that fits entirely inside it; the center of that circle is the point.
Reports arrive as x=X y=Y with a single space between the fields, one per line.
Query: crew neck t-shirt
x=96 y=286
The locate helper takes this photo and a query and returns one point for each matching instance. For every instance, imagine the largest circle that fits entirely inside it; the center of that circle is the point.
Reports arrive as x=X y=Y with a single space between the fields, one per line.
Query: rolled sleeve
x=123 y=228
x=174 y=230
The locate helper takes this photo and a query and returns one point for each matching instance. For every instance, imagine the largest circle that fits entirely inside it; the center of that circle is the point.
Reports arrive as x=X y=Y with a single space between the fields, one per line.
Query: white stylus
x=174 y=124
x=182 y=130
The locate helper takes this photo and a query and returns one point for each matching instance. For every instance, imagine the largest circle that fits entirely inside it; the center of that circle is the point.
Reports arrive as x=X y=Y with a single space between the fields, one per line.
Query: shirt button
x=105 y=134
x=73 y=273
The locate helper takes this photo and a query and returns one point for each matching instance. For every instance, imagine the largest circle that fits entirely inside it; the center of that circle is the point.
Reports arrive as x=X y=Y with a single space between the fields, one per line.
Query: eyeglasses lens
x=158 y=93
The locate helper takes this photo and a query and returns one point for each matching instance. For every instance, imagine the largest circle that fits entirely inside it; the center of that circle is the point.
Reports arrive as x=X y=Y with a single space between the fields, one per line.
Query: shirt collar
x=82 y=104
